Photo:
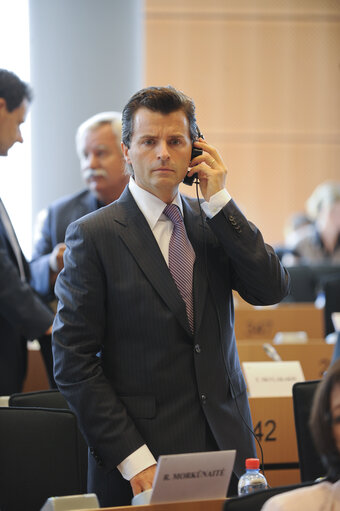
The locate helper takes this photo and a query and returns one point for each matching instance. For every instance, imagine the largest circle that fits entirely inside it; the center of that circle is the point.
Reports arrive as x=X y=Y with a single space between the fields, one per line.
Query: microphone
x=271 y=352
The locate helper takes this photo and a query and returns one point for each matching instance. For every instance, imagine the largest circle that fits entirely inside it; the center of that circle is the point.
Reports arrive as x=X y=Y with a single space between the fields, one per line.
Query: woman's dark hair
x=13 y=90
x=321 y=422
x=158 y=99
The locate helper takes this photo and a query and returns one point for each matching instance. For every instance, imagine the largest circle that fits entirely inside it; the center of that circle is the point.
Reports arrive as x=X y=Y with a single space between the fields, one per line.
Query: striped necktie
x=181 y=260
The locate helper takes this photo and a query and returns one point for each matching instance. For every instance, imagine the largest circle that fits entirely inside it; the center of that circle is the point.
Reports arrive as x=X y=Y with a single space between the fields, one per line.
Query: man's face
x=10 y=125
x=160 y=151
x=102 y=164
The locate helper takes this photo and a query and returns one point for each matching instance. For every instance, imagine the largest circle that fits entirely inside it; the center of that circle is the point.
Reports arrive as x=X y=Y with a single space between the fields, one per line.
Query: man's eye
x=336 y=420
x=175 y=141
x=148 y=141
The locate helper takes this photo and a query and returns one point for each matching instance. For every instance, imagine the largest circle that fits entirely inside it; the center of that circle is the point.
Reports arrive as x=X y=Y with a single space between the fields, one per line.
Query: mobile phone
x=194 y=152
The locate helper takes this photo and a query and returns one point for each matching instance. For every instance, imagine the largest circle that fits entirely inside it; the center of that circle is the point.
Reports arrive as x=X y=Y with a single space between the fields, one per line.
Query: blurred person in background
x=325 y=429
x=318 y=243
x=102 y=166
x=22 y=315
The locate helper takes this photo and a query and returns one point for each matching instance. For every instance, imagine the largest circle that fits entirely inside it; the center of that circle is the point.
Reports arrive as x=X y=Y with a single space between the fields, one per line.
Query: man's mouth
x=164 y=169
x=94 y=173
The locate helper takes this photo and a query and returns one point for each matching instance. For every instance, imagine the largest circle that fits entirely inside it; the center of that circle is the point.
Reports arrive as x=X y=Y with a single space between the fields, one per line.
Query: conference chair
x=53 y=399
x=39 y=399
x=331 y=288
x=311 y=466
x=307 y=281
x=255 y=501
x=39 y=457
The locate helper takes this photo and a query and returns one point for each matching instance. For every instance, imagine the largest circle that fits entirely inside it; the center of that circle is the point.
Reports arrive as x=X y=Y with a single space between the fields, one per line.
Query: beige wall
x=265 y=77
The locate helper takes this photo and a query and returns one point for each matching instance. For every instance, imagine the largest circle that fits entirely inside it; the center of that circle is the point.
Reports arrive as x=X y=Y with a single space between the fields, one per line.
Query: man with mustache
x=102 y=166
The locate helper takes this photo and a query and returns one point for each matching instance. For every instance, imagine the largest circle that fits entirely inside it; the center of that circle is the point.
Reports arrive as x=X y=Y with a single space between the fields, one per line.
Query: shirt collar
x=151 y=206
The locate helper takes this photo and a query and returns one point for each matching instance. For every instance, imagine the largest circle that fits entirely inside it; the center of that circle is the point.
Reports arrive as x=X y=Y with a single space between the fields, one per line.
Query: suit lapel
x=139 y=239
x=13 y=246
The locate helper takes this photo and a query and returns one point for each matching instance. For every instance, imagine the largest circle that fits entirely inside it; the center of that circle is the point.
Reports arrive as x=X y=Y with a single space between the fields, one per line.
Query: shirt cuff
x=216 y=203
x=136 y=462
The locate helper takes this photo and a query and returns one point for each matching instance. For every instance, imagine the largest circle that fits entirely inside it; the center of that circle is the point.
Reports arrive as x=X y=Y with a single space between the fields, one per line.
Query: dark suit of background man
x=140 y=380
x=102 y=165
x=22 y=315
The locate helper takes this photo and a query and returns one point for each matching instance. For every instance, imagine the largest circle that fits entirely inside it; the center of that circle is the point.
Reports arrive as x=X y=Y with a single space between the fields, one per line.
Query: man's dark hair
x=321 y=422
x=158 y=99
x=13 y=90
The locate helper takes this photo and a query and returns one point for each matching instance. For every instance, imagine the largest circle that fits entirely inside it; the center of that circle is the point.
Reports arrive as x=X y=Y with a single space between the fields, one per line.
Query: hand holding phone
x=195 y=152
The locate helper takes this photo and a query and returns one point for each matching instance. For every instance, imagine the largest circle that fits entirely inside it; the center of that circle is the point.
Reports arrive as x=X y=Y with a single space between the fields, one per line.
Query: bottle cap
x=252 y=463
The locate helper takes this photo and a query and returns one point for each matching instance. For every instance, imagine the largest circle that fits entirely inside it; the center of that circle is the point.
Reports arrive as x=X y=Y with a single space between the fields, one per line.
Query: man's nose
x=163 y=152
x=19 y=137
x=92 y=161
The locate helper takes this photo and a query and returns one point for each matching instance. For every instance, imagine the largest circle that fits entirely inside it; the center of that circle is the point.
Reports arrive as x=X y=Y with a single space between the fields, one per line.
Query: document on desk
x=192 y=476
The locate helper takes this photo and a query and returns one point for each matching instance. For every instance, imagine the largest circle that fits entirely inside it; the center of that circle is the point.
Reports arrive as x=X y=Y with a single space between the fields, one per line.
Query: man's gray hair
x=94 y=122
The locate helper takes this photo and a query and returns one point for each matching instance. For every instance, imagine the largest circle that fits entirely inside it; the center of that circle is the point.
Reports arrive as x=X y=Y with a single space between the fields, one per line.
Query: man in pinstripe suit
x=141 y=380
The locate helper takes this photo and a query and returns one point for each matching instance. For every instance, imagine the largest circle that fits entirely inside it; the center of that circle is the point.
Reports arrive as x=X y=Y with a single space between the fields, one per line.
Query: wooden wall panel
x=265 y=77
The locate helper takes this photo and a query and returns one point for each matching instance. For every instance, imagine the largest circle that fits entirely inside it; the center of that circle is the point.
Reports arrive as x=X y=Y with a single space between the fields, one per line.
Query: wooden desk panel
x=273 y=420
x=265 y=322
x=274 y=425
x=315 y=356
x=36 y=378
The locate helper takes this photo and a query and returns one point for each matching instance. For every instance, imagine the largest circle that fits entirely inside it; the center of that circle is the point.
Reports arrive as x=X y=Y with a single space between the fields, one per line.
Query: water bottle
x=252 y=480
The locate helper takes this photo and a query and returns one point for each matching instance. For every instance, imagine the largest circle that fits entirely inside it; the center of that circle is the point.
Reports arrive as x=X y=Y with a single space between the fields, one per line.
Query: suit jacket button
x=197 y=348
x=204 y=398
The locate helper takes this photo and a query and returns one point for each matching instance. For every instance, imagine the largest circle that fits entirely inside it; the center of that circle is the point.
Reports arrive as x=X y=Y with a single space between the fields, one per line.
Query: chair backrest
x=306 y=280
x=39 y=457
x=331 y=287
x=53 y=399
x=40 y=398
x=255 y=501
x=311 y=466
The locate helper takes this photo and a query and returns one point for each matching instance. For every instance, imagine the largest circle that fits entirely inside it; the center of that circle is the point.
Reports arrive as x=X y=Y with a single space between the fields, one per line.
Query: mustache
x=89 y=173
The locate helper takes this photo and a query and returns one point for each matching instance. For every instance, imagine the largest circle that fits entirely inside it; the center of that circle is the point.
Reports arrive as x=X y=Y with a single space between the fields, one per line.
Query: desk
x=265 y=322
x=36 y=377
x=198 y=505
x=314 y=356
x=274 y=425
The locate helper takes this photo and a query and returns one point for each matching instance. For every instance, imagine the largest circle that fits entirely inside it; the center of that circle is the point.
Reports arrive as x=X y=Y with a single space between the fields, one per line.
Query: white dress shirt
x=323 y=496
x=161 y=226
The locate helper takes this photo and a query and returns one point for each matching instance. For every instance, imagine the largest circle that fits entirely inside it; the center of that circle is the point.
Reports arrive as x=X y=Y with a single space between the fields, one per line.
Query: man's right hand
x=143 y=480
x=56 y=258
x=49 y=331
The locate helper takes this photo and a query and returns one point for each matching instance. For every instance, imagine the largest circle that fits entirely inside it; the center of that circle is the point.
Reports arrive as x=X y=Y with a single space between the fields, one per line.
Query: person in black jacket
x=22 y=314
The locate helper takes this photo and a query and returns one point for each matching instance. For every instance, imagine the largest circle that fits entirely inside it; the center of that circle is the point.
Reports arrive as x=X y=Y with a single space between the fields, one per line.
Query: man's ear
x=125 y=151
x=3 y=105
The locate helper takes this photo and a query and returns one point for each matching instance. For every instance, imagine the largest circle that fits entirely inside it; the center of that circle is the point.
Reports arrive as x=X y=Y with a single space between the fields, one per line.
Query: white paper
x=271 y=379
x=193 y=476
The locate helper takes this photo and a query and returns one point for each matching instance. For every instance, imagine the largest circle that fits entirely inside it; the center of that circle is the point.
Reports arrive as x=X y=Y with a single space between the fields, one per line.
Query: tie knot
x=173 y=213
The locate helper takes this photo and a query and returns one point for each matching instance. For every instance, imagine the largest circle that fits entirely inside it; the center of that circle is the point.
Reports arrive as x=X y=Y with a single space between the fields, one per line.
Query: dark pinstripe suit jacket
x=22 y=316
x=154 y=382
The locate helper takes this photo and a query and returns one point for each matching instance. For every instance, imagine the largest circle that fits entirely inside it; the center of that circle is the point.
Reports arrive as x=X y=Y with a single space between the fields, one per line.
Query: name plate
x=271 y=379
x=192 y=476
